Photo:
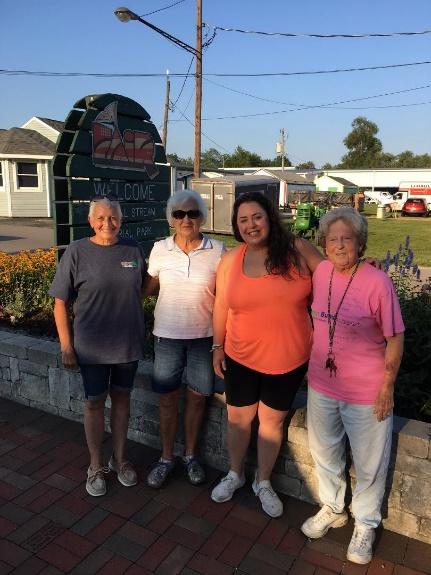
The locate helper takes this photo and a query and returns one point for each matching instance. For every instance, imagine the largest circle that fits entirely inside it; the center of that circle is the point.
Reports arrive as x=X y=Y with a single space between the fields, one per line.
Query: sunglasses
x=181 y=214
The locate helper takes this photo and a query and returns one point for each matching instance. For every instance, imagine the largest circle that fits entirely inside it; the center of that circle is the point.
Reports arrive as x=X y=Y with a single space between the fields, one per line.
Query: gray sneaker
x=360 y=549
x=126 y=473
x=269 y=499
x=194 y=470
x=160 y=472
x=96 y=485
x=226 y=488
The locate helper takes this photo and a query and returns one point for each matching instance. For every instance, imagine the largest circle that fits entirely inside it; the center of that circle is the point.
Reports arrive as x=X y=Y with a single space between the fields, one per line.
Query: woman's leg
x=120 y=411
x=194 y=412
x=269 y=438
x=370 y=441
x=239 y=420
x=94 y=425
x=168 y=422
x=326 y=436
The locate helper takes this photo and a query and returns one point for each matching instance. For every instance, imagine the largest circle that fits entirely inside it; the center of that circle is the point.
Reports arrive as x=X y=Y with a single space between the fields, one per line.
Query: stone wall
x=30 y=373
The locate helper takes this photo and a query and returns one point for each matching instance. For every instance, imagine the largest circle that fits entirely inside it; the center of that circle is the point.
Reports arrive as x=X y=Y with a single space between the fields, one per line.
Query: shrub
x=413 y=387
x=24 y=282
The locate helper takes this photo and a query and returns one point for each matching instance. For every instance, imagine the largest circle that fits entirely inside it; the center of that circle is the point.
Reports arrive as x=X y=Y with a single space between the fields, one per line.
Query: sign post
x=110 y=147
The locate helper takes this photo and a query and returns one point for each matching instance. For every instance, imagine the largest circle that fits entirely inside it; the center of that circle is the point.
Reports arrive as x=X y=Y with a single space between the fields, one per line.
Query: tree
x=327 y=166
x=364 y=147
x=176 y=159
x=306 y=166
x=211 y=158
x=243 y=158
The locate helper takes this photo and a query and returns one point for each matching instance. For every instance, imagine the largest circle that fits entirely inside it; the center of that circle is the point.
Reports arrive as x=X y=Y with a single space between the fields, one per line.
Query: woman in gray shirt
x=102 y=278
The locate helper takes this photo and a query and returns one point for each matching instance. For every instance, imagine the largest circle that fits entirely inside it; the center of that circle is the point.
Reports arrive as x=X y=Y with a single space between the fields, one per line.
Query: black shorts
x=99 y=378
x=245 y=386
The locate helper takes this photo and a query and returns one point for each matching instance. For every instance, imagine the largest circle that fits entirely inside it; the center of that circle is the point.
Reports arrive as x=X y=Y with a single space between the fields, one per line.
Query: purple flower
x=407 y=242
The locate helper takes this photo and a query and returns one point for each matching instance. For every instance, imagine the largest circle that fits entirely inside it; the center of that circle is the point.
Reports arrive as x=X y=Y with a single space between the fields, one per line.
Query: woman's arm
x=220 y=312
x=64 y=329
x=393 y=355
x=151 y=286
x=311 y=255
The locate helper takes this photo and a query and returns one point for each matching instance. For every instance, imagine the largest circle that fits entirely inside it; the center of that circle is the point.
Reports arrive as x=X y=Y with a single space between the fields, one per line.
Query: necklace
x=332 y=321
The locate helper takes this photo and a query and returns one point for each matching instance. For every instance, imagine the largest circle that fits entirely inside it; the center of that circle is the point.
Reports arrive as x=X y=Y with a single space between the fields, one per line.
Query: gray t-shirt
x=104 y=284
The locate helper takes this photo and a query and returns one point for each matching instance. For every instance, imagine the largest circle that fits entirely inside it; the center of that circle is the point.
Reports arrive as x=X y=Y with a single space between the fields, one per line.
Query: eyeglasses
x=181 y=214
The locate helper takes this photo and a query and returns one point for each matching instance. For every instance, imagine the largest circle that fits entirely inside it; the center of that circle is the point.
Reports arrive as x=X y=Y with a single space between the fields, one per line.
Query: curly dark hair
x=282 y=253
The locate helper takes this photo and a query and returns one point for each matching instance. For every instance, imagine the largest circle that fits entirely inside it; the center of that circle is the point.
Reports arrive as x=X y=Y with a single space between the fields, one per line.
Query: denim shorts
x=178 y=361
x=99 y=378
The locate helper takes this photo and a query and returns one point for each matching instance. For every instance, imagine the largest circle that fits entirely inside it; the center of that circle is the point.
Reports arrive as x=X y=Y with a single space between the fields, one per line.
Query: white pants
x=329 y=421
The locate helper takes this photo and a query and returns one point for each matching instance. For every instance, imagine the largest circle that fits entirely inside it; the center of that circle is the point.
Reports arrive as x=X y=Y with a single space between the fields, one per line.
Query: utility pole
x=279 y=148
x=198 y=89
x=166 y=115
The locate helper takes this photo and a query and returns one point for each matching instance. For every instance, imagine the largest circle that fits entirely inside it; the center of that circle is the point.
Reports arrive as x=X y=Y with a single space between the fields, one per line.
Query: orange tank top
x=268 y=326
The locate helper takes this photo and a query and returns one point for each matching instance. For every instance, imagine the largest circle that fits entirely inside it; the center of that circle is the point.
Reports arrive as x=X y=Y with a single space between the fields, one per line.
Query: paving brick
x=8 y=491
x=75 y=543
x=90 y=521
x=24 y=453
x=178 y=494
x=18 y=480
x=293 y=542
x=5 y=568
x=137 y=570
x=105 y=529
x=235 y=551
x=76 y=505
x=400 y=570
x=379 y=567
x=218 y=511
x=328 y=547
x=115 y=566
x=72 y=472
x=195 y=524
x=93 y=563
x=31 y=566
x=185 y=537
x=200 y=505
x=59 y=557
x=273 y=534
x=124 y=547
x=6 y=526
x=12 y=554
x=254 y=517
x=155 y=554
x=175 y=561
x=61 y=482
x=62 y=516
x=33 y=466
x=254 y=566
x=241 y=527
x=148 y=512
x=50 y=570
x=391 y=546
x=10 y=462
x=15 y=513
x=208 y=566
x=138 y=534
x=271 y=556
x=31 y=494
x=47 y=470
x=42 y=537
x=164 y=520
x=301 y=567
x=321 y=560
x=323 y=571
x=355 y=569
x=29 y=528
x=216 y=543
x=121 y=507
x=418 y=556
x=47 y=499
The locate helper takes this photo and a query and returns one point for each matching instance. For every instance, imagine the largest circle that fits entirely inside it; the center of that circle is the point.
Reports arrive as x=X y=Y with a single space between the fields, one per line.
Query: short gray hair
x=114 y=204
x=352 y=218
x=180 y=198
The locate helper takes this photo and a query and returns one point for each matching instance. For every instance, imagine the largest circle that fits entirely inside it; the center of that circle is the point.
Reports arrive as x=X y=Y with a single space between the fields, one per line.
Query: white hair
x=352 y=218
x=176 y=201
x=113 y=204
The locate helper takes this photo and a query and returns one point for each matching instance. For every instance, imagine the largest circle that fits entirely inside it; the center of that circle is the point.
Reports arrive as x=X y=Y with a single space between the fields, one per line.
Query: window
x=27 y=175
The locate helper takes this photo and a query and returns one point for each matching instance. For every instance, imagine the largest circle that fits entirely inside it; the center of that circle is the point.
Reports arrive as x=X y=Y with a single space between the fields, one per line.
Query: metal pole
x=198 y=89
x=165 y=118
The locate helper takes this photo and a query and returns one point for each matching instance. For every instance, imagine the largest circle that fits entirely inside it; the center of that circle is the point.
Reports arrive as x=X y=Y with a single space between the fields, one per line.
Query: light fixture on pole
x=125 y=15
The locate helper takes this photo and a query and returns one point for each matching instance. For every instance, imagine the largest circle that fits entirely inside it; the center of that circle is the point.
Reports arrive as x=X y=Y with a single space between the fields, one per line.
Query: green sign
x=110 y=147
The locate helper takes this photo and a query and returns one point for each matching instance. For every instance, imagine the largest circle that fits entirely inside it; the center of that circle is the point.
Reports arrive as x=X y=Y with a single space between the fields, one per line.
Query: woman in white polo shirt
x=183 y=268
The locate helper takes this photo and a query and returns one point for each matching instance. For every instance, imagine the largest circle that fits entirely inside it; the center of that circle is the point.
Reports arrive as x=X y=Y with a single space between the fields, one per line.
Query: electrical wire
x=161 y=9
x=7 y=72
x=320 y=36
x=184 y=83
x=317 y=105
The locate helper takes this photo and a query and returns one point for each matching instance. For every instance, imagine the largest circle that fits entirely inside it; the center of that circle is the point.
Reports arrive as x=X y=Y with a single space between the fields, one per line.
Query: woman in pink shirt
x=355 y=357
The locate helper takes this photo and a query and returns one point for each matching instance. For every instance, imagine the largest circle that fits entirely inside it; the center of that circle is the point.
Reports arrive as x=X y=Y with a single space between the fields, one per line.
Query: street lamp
x=125 y=15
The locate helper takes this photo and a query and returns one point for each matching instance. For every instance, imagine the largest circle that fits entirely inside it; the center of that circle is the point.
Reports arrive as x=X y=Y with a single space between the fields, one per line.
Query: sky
x=84 y=36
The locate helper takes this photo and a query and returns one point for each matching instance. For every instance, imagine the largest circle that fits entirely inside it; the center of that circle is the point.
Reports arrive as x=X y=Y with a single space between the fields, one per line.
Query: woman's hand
x=384 y=402
x=68 y=358
x=219 y=362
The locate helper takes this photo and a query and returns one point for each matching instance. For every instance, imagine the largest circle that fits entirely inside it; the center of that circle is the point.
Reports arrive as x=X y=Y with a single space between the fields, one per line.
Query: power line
x=320 y=36
x=161 y=9
x=203 y=133
x=317 y=105
x=184 y=83
x=8 y=72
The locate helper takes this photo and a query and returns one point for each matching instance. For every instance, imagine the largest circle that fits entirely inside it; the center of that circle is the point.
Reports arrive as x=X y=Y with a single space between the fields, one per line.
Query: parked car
x=415 y=207
x=379 y=198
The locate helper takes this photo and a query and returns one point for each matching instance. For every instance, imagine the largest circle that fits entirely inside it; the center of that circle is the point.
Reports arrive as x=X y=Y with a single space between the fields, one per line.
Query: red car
x=415 y=207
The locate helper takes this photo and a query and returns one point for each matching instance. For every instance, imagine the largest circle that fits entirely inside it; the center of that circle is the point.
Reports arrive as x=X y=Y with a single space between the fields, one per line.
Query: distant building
x=294 y=187
x=335 y=184
x=26 y=153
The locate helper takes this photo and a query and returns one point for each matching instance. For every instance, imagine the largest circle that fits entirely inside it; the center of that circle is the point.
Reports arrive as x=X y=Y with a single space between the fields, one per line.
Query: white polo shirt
x=187 y=285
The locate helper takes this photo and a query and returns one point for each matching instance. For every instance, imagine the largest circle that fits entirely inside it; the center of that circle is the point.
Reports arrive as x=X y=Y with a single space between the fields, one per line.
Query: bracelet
x=216 y=346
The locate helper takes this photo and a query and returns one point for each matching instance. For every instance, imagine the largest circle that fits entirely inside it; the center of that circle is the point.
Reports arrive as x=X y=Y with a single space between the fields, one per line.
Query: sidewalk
x=49 y=525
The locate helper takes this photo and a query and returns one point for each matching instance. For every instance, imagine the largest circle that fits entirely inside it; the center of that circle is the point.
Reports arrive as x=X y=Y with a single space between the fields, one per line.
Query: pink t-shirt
x=370 y=312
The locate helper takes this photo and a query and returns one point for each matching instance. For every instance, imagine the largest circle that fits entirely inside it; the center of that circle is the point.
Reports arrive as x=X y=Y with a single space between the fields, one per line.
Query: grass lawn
x=388 y=234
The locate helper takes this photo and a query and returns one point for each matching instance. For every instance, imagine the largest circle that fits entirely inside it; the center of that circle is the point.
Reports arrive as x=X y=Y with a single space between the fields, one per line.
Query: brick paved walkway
x=49 y=525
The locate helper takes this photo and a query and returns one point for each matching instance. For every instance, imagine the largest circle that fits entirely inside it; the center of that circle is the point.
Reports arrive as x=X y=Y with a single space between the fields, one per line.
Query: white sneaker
x=318 y=525
x=271 y=503
x=227 y=487
x=360 y=549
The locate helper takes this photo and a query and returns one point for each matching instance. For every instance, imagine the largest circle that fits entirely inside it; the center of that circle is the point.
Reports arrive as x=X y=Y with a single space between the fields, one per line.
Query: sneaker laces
x=98 y=474
x=360 y=539
x=266 y=489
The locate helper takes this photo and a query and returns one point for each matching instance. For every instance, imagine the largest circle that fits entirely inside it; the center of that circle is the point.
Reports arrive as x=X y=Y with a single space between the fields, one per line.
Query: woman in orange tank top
x=262 y=337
